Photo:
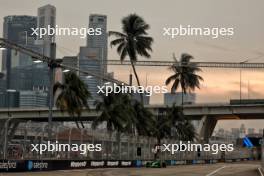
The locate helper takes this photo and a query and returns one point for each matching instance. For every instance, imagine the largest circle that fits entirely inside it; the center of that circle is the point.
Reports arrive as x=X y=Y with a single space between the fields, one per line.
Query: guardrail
x=48 y=165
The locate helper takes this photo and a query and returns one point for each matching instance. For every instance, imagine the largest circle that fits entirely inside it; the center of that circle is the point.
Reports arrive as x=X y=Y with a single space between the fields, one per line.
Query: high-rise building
x=2 y=82
x=70 y=61
x=46 y=19
x=92 y=57
x=97 y=21
x=22 y=74
x=18 y=30
x=170 y=99
x=88 y=60
x=33 y=98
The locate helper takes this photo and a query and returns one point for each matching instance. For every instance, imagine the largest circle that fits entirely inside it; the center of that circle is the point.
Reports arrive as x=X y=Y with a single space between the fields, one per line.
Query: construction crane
x=54 y=62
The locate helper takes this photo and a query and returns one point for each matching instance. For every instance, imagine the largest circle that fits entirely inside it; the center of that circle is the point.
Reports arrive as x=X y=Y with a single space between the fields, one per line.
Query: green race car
x=156 y=164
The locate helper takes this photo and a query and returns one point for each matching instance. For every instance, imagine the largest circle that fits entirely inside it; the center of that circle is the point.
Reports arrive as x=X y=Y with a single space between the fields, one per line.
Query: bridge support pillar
x=206 y=128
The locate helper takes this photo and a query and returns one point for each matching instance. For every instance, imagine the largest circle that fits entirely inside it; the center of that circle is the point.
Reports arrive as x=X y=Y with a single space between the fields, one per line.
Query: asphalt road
x=220 y=169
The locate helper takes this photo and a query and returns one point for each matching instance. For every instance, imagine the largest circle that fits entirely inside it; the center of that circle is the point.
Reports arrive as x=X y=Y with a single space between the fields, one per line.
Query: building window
x=100 y=20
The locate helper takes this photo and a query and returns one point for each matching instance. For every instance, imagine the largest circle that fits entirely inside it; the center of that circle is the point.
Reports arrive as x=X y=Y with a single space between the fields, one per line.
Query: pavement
x=219 y=169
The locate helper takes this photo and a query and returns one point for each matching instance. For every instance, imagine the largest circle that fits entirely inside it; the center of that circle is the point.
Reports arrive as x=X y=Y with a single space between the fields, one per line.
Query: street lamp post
x=52 y=66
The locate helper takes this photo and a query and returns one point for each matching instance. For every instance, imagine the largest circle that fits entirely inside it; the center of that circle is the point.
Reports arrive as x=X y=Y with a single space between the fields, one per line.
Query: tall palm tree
x=133 y=41
x=116 y=110
x=72 y=95
x=144 y=119
x=184 y=75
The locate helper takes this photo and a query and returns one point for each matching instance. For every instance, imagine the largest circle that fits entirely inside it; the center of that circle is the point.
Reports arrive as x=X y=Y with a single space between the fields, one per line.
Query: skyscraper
x=99 y=41
x=21 y=73
x=46 y=17
x=176 y=98
x=17 y=29
x=93 y=56
x=36 y=98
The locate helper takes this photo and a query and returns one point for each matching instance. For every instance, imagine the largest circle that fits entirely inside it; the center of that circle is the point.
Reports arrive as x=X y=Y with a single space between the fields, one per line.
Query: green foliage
x=72 y=95
x=116 y=111
x=132 y=41
x=184 y=75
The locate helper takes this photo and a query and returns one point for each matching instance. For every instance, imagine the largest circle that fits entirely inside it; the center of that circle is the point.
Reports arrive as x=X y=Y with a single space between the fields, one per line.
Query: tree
x=133 y=41
x=144 y=119
x=117 y=112
x=72 y=95
x=184 y=75
x=172 y=124
x=182 y=129
x=161 y=129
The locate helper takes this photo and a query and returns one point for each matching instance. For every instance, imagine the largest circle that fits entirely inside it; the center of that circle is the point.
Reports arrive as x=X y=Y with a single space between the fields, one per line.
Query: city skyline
x=246 y=43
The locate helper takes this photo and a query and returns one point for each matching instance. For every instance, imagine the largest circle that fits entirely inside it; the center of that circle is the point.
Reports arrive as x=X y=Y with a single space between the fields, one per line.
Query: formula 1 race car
x=156 y=164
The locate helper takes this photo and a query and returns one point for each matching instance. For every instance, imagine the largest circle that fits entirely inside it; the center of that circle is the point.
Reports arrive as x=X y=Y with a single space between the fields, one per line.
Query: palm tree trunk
x=138 y=83
x=182 y=98
x=118 y=139
x=156 y=156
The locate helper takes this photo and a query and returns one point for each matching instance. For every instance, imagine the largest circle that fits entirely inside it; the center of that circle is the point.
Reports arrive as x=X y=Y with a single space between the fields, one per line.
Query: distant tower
x=99 y=41
x=17 y=29
x=93 y=56
x=46 y=17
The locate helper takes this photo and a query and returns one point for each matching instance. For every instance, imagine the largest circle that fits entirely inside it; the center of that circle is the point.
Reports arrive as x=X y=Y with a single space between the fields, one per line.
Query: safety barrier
x=47 y=165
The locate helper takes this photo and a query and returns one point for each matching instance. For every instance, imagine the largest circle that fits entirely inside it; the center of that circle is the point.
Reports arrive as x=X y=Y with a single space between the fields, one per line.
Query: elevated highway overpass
x=208 y=114
x=193 y=112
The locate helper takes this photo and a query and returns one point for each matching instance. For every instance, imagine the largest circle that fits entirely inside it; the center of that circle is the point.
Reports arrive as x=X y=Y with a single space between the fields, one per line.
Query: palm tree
x=182 y=129
x=184 y=75
x=133 y=41
x=144 y=119
x=161 y=129
x=172 y=124
x=72 y=95
x=116 y=110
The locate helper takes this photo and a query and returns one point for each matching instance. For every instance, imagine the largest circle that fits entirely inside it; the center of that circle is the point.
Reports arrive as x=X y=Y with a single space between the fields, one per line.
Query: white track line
x=260 y=172
x=214 y=172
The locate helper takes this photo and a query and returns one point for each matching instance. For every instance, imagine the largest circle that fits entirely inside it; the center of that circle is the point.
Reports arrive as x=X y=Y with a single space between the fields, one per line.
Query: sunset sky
x=220 y=85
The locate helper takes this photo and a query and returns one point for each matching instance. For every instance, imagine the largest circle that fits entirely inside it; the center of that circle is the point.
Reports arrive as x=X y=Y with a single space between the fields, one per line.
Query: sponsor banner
x=112 y=163
x=78 y=164
x=125 y=163
x=37 y=165
x=180 y=162
x=97 y=164
x=198 y=161
x=8 y=165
